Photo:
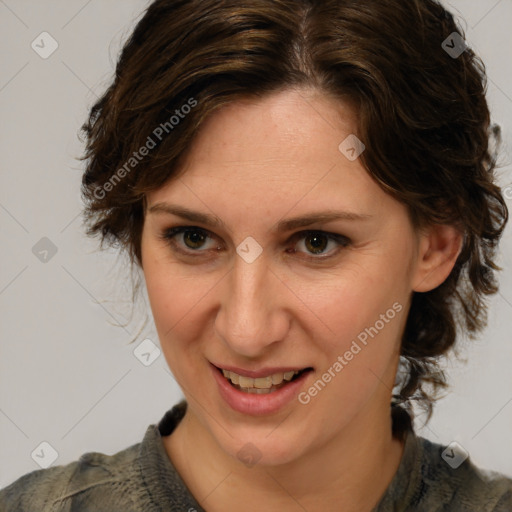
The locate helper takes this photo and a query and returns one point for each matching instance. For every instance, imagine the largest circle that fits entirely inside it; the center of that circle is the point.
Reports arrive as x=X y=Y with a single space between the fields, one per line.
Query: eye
x=193 y=240
x=316 y=242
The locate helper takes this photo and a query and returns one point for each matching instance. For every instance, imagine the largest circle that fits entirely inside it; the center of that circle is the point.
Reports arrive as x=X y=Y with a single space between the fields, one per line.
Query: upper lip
x=262 y=372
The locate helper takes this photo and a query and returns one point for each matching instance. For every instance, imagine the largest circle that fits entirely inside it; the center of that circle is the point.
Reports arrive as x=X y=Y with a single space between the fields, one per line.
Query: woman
x=308 y=189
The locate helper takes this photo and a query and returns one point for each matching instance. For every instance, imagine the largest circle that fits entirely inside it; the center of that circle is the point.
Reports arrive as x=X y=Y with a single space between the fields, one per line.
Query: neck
x=351 y=472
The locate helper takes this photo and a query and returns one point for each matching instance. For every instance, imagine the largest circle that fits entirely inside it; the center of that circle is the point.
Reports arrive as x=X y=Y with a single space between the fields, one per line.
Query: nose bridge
x=247 y=317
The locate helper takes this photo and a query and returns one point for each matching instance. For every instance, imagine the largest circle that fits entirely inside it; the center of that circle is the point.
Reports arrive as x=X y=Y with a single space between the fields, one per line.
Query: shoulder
x=93 y=477
x=450 y=476
x=140 y=477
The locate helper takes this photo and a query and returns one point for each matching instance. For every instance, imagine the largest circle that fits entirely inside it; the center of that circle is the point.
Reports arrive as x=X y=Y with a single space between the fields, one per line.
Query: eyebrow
x=282 y=226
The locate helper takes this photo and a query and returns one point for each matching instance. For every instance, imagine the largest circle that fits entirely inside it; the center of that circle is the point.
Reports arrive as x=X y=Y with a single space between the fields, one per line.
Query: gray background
x=68 y=375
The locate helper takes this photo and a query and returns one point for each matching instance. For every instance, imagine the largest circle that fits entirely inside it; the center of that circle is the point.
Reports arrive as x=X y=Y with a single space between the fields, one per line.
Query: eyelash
x=169 y=235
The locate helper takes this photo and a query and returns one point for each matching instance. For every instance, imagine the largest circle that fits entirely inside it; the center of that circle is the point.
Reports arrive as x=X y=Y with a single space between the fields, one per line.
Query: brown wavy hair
x=422 y=115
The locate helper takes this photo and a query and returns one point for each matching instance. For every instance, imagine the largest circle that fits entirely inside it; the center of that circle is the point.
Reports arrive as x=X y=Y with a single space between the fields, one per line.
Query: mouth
x=261 y=385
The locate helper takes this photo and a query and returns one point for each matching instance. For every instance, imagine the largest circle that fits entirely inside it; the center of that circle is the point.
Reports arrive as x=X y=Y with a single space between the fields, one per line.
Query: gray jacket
x=142 y=478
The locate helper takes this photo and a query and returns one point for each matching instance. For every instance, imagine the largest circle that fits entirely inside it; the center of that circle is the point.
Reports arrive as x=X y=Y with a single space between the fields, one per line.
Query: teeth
x=245 y=382
x=259 y=385
x=263 y=382
x=276 y=379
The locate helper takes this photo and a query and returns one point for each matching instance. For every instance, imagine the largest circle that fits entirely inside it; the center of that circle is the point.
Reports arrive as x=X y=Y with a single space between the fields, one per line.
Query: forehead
x=279 y=149
x=287 y=126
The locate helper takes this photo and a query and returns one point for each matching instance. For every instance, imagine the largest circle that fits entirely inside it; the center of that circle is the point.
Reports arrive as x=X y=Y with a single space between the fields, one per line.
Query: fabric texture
x=142 y=478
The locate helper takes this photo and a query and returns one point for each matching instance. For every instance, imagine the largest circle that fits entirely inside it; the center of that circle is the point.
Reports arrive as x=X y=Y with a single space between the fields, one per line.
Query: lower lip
x=254 y=404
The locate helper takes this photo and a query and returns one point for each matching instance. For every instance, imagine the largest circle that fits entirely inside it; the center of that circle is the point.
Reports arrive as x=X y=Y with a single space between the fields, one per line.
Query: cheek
x=365 y=311
x=365 y=322
x=172 y=304
x=355 y=300
x=178 y=305
x=170 y=292
x=173 y=299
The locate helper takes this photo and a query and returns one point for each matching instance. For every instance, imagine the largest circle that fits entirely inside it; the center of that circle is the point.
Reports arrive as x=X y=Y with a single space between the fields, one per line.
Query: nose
x=254 y=312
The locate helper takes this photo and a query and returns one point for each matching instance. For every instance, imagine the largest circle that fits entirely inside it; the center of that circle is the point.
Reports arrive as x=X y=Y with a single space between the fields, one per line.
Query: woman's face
x=258 y=295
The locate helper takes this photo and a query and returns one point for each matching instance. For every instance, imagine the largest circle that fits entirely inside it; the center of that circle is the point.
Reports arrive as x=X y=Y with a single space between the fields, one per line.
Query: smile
x=260 y=392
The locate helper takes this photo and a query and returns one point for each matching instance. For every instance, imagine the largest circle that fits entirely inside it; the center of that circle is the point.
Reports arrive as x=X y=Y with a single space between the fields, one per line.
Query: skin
x=254 y=163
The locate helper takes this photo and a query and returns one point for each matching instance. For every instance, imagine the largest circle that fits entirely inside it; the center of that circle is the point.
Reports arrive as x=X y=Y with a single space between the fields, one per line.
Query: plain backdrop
x=68 y=375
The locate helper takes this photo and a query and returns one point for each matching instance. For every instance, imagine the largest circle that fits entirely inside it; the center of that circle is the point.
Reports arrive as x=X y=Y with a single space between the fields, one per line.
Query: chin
x=260 y=447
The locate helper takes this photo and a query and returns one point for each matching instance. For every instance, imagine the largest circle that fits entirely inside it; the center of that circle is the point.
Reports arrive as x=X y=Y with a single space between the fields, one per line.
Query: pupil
x=317 y=244
x=195 y=237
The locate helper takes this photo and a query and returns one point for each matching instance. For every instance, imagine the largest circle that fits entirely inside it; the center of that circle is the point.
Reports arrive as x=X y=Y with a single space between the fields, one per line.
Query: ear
x=438 y=250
